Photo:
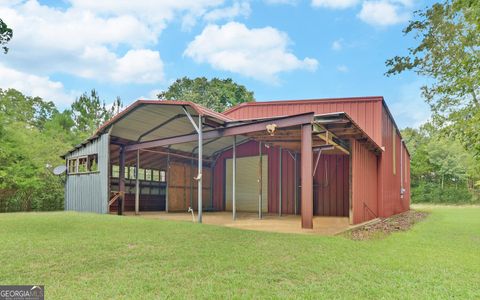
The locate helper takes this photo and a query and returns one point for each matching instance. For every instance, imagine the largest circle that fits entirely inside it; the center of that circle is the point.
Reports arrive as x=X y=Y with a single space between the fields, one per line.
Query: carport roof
x=153 y=120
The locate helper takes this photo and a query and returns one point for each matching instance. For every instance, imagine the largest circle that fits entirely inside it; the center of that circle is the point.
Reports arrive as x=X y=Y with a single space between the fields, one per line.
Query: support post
x=280 y=183
x=121 y=183
x=295 y=183
x=307 y=178
x=234 y=178
x=260 y=184
x=200 y=166
x=167 y=177
x=137 y=185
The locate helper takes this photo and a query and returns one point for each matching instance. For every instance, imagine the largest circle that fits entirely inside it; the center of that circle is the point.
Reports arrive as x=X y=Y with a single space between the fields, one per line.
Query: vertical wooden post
x=280 y=182
x=295 y=184
x=234 y=178
x=121 y=181
x=137 y=185
x=200 y=166
x=260 y=184
x=307 y=178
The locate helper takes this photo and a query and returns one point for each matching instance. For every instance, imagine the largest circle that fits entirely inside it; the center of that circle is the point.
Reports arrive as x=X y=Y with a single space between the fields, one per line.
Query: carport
x=209 y=162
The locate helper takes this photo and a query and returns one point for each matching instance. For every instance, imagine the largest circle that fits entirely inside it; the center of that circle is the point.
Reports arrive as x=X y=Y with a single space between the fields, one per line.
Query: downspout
x=402 y=189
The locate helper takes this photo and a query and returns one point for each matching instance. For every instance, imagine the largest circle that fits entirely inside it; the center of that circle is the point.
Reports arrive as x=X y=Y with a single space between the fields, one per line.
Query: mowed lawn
x=110 y=257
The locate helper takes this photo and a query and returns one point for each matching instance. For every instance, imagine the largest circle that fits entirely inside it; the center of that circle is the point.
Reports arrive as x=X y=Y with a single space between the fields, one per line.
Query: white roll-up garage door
x=247 y=184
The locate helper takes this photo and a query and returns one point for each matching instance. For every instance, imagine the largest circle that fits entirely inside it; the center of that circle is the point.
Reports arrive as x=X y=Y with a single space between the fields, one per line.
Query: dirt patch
x=400 y=222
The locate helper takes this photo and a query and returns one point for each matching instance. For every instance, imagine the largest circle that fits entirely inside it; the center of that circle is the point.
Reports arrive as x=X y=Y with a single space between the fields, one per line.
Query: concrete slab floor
x=250 y=221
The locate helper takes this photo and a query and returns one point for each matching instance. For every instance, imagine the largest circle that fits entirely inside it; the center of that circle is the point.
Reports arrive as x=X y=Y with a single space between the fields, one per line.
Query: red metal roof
x=302 y=101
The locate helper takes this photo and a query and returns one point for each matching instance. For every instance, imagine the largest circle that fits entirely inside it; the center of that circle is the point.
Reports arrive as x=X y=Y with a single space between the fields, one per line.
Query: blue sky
x=280 y=49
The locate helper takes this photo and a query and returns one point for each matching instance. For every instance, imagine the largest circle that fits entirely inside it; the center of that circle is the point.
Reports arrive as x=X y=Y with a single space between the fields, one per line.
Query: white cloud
x=334 y=4
x=229 y=13
x=382 y=13
x=260 y=53
x=33 y=85
x=105 y=40
x=289 y=2
x=337 y=45
x=342 y=69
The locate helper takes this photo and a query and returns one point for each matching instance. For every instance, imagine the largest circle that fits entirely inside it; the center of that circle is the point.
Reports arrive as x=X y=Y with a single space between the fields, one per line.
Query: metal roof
x=150 y=120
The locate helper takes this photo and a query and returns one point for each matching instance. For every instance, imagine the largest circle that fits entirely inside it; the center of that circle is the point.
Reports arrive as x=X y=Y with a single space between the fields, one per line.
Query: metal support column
x=137 y=185
x=167 y=177
x=234 y=177
x=260 y=184
x=121 y=183
x=200 y=166
x=280 y=182
x=307 y=178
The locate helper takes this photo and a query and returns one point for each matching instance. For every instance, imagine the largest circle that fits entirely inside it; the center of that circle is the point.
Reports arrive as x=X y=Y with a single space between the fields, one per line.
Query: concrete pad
x=250 y=221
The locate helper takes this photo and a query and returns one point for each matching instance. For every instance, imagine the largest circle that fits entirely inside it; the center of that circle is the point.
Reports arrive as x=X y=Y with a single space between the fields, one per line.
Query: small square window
x=72 y=166
x=93 y=162
x=115 y=171
x=163 y=176
x=155 y=175
x=141 y=174
x=82 y=164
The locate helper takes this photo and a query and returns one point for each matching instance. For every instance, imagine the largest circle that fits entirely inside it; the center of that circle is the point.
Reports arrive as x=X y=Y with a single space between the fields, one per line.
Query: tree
x=448 y=52
x=6 y=35
x=215 y=94
x=89 y=112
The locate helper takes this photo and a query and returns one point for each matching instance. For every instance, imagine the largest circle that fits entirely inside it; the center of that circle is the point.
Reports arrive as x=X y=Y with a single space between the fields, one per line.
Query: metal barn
x=308 y=158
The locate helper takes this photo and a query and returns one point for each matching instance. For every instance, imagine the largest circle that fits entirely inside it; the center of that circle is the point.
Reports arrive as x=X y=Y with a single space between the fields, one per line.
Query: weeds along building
x=323 y=157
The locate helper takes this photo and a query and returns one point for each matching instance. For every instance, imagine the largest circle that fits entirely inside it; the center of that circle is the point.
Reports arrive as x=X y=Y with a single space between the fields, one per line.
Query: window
x=131 y=174
x=115 y=171
x=163 y=176
x=141 y=174
x=93 y=163
x=82 y=164
x=148 y=175
x=155 y=175
x=72 y=166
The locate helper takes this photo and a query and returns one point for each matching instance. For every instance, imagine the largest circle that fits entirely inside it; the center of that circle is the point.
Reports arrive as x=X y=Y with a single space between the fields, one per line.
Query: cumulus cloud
x=334 y=4
x=106 y=40
x=382 y=13
x=289 y=2
x=238 y=9
x=260 y=53
x=33 y=85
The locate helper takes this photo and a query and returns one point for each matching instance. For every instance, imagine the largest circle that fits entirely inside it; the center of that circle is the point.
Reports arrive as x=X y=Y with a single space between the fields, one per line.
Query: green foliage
x=89 y=112
x=216 y=94
x=442 y=170
x=6 y=35
x=33 y=135
x=448 y=53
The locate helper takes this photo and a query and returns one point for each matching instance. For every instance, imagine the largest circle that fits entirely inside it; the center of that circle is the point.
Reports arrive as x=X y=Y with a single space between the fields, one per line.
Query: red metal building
x=380 y=183
x=324 y=157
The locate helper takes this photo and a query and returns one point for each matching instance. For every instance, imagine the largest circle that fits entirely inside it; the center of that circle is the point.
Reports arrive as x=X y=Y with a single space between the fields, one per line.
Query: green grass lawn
x=110 y=257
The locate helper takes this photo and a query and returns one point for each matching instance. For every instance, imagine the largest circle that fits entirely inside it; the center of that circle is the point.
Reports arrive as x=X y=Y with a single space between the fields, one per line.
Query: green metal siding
x=89 y=192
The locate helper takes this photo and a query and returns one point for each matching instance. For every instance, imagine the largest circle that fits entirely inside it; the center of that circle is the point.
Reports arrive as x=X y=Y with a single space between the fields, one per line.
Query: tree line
x=33 y=136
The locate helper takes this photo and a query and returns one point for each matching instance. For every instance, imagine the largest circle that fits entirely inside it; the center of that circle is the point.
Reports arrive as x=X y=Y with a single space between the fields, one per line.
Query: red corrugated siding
x=330 y=186
x=391 y=203
x=366 y=113
x=329 y=199
x=364 y=183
